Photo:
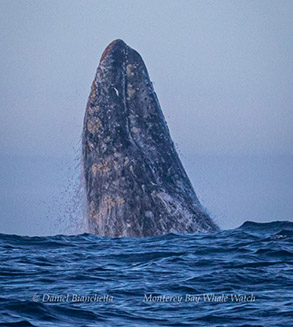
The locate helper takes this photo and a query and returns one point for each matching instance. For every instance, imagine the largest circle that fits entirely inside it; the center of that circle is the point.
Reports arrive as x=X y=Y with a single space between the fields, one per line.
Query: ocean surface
x=240 y=277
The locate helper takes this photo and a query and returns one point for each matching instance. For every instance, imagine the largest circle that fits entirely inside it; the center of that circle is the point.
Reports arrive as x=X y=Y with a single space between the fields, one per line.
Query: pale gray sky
x=222 y=71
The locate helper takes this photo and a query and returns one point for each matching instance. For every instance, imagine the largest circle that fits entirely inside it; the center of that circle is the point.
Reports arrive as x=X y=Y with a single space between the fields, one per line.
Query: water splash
x=70 y=201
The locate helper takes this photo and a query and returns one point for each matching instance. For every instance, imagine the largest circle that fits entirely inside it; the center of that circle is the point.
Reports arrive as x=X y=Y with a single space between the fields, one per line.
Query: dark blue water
x=240 y=277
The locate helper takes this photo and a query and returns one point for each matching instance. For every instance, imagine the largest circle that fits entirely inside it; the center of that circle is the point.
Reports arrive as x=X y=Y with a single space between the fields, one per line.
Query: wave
x=255 y=259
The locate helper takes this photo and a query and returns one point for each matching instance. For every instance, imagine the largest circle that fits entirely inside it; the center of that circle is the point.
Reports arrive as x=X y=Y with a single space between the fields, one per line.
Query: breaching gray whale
x=135 y=182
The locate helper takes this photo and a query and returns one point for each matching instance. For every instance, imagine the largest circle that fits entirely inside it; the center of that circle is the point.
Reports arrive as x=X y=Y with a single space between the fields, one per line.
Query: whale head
x=135 y=182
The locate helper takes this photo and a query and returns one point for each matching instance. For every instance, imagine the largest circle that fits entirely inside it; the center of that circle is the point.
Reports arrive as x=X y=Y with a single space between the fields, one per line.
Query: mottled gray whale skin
x=135 y=183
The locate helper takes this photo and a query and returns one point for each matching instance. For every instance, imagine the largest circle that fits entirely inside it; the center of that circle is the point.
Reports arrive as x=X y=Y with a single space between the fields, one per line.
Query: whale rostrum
x=135 y=182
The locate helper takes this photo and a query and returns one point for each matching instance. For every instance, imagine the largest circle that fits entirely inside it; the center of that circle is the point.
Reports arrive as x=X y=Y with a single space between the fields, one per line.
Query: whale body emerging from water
x=135 y=182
